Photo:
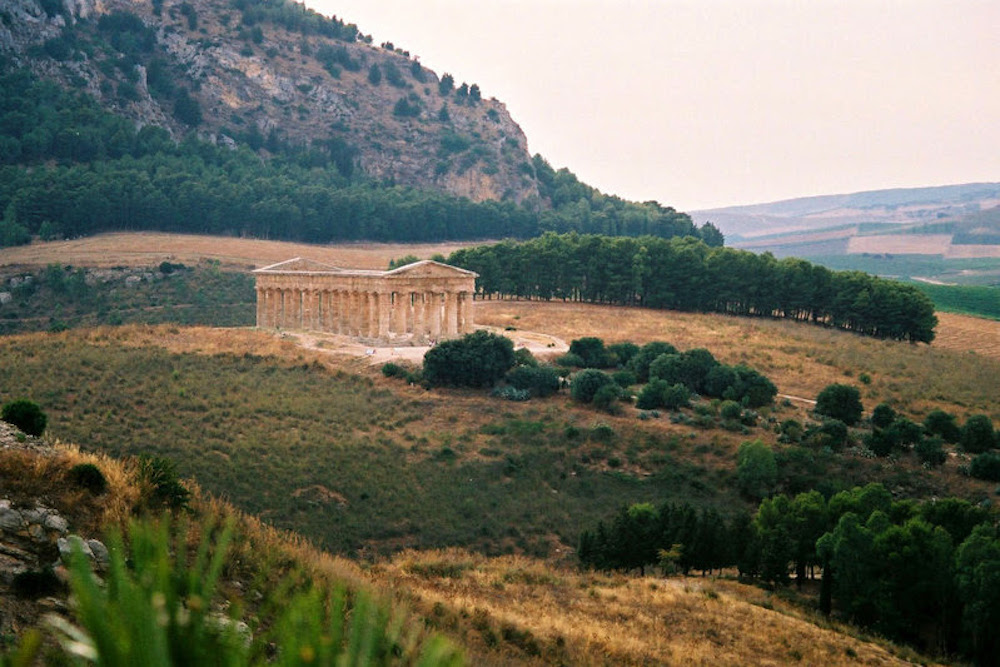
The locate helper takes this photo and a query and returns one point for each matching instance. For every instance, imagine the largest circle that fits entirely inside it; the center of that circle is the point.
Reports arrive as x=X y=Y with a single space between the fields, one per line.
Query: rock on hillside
x=230 y=73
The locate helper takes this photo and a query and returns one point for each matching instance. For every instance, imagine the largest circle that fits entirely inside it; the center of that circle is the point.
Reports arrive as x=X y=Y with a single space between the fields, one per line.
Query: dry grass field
x=518 y=609
x=151 y=248
x=800 y=359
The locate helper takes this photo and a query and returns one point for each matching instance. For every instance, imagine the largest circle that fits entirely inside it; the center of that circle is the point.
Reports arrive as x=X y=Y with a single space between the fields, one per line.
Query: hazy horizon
x=724 y=102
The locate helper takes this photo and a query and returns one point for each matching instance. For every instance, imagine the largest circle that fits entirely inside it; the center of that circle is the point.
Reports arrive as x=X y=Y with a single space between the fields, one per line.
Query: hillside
x=265 y=120
x=812 y=214
x=306 y=433
x=511 y=610
x=274 y=75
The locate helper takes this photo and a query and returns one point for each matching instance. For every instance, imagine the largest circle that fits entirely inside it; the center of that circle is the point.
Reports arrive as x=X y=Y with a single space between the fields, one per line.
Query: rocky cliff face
x=254 y=81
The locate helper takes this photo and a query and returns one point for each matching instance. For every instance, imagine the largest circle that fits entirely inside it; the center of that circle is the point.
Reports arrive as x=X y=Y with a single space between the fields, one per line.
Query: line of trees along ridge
x=687 y=274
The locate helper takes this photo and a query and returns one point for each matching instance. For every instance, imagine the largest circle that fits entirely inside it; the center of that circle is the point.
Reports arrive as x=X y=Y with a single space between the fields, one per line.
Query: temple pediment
x=428 y=268
x=300 y=265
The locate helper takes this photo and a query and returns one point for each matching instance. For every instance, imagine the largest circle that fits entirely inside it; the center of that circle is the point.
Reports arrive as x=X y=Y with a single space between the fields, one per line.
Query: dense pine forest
x=688 y=274
x=68 y=168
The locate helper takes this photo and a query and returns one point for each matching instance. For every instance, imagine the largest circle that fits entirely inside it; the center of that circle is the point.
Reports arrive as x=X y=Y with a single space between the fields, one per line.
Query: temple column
x=450 y=313
x=400 y=306
x=284 y=303
x=261 y=317
x=307 y=309
x=275 y=307
x=353 y=314
x=433 y=301
x=343 y=308
x=465 y=321
x=384 y=315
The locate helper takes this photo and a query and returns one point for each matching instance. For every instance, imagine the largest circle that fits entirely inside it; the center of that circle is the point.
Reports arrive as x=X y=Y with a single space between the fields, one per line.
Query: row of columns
x=375 y=315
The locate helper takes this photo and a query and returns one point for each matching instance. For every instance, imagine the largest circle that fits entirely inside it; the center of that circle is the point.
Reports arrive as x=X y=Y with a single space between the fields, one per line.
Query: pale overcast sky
x=703 y=103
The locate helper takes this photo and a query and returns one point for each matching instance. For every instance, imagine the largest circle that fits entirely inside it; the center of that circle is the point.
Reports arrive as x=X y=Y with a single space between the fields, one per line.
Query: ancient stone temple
x=420 y=302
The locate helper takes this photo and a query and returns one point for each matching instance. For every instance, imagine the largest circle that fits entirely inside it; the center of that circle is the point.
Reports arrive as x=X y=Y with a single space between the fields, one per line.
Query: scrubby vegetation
x=61 y=297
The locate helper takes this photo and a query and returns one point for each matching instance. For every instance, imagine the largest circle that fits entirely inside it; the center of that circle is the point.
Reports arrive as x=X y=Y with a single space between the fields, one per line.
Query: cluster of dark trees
x=925 y=573
x=687 y=274
x=69 y=168
x=296 y=17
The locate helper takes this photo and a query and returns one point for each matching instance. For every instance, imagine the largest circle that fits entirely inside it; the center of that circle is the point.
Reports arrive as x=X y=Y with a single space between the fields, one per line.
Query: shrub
x=986 y=466
x=592 y=351
x=478 y=359
x=977 y=434
x=391 y=370
x=640 y=362
x=88 y=476
x=790 y=431
x=939 y=422
x=623 y=352
x=651 y=396
x=675 y=397
x=25 y=415
x=689 y=368
x=585 y=384
x=883 y=415
x=730 y=410
x=930 y=451
x=840 y=401
x=570 y=360
x=606 y=398
x=511 y=393
x=624 y=378
x=524 y=357
x=541 y=381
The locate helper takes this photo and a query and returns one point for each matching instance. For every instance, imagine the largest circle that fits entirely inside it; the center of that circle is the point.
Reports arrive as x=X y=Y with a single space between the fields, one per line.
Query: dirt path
x=539 y=344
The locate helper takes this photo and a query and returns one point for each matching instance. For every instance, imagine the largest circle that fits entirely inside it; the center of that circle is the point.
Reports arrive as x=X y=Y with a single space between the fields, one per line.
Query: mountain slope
x=278 y=76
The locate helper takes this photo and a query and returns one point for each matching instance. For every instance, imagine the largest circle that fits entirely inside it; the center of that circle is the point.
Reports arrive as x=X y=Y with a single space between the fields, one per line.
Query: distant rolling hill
x=905 y=206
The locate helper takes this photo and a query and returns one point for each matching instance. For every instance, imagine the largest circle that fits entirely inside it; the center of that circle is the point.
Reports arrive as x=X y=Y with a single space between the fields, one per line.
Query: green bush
x=840 y=401
x=939 y=422
x=509 y=393
x=931 y=451
x=623 y=352
x=651 y=396
x=391 y=370
x=570 y=360
x=476 y=360
x=883 y=415
x=624 y=378
x=977 y=434
x=592 y=351
x=584 y=385
x=524 y=357
x=606 y=398
x=88 y=476
x=25 y=415
x=675 y=397
x=541 y=381
x=640 y=362
x=730 y=410
x=986 y=466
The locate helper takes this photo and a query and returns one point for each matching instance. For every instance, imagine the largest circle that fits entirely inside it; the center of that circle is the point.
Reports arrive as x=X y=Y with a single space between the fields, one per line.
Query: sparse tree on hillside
x=840 y=401
x=446 y=84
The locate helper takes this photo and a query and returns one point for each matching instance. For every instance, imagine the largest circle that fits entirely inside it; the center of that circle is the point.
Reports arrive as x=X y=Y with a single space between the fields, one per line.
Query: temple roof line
x=299 y=265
